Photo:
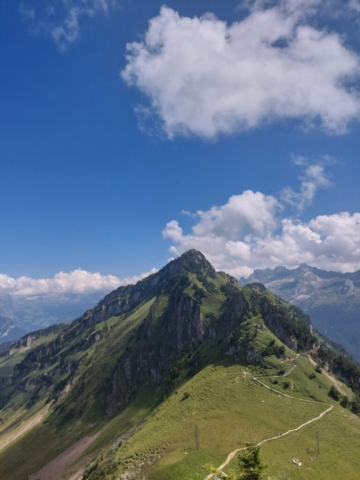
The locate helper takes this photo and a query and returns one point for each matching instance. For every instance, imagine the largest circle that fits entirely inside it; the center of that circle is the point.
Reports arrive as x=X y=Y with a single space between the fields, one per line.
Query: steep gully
x=280 y=435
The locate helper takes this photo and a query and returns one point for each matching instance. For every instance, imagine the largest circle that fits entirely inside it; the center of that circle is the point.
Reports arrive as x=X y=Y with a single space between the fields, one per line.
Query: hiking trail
x=280 y=435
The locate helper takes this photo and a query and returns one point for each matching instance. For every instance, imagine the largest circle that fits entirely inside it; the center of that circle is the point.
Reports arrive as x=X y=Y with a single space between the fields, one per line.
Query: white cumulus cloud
x=77 y=281
x=252 y=231
x=205 y=77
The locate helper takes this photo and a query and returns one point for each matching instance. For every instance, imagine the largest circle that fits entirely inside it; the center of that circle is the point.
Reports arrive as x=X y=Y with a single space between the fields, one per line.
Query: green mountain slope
x=331 y=299
x=150 y=361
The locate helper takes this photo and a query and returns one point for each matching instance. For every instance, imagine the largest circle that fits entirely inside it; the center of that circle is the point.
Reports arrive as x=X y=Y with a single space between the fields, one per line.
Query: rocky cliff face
x=181 y=331
x=295 y=335
x=236 y=309
x=159 y=344
x=28 y=339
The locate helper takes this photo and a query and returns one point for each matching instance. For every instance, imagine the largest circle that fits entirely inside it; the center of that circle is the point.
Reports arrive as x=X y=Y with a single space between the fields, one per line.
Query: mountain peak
x=193 y=261
x=303 y=266
x=193 y=256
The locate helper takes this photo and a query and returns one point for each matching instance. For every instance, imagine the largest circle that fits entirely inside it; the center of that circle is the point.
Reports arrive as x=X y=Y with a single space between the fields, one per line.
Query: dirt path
x=22 y=428
x=280 y=435
x=329 y=377
x=55 y=469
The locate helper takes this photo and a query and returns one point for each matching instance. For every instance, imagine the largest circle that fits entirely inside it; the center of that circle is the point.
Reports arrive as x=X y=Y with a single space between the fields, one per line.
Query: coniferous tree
x=250 y=464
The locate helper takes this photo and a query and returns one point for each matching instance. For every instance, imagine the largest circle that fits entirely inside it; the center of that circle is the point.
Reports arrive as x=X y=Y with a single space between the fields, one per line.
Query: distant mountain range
x=20 y=315
x=331 y=299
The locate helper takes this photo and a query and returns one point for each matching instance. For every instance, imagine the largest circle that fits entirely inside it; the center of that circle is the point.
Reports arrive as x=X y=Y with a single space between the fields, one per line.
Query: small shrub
x=280 y=351
x=355 y=406
x=334 y=394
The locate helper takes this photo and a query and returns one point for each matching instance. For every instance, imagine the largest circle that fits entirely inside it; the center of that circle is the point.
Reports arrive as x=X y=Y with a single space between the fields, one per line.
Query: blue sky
x=234 y=132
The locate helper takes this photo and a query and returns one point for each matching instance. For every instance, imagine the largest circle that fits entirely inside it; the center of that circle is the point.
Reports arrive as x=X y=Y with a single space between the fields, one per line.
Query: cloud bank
x=204 y=77
x=252 y=231
x=77 y=281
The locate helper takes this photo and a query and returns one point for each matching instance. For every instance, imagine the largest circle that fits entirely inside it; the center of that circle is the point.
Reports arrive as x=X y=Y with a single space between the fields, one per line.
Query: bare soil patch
x=55 y=469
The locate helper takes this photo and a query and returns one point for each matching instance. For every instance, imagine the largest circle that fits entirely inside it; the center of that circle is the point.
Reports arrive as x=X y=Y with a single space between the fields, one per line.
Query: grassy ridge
x=230 y=409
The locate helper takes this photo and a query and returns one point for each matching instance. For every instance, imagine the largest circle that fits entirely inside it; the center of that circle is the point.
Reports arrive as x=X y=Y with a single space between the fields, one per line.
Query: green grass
x=230 y=409
x=133 y=415
x=304 y=387
x=338 y=433
x=57 y=438
x=339 y=443
x=110 y=322
x=41 y=444
x=184 y=464
x=20 y=416
x=211 y=305
x=7 y=364
x=159 y=306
